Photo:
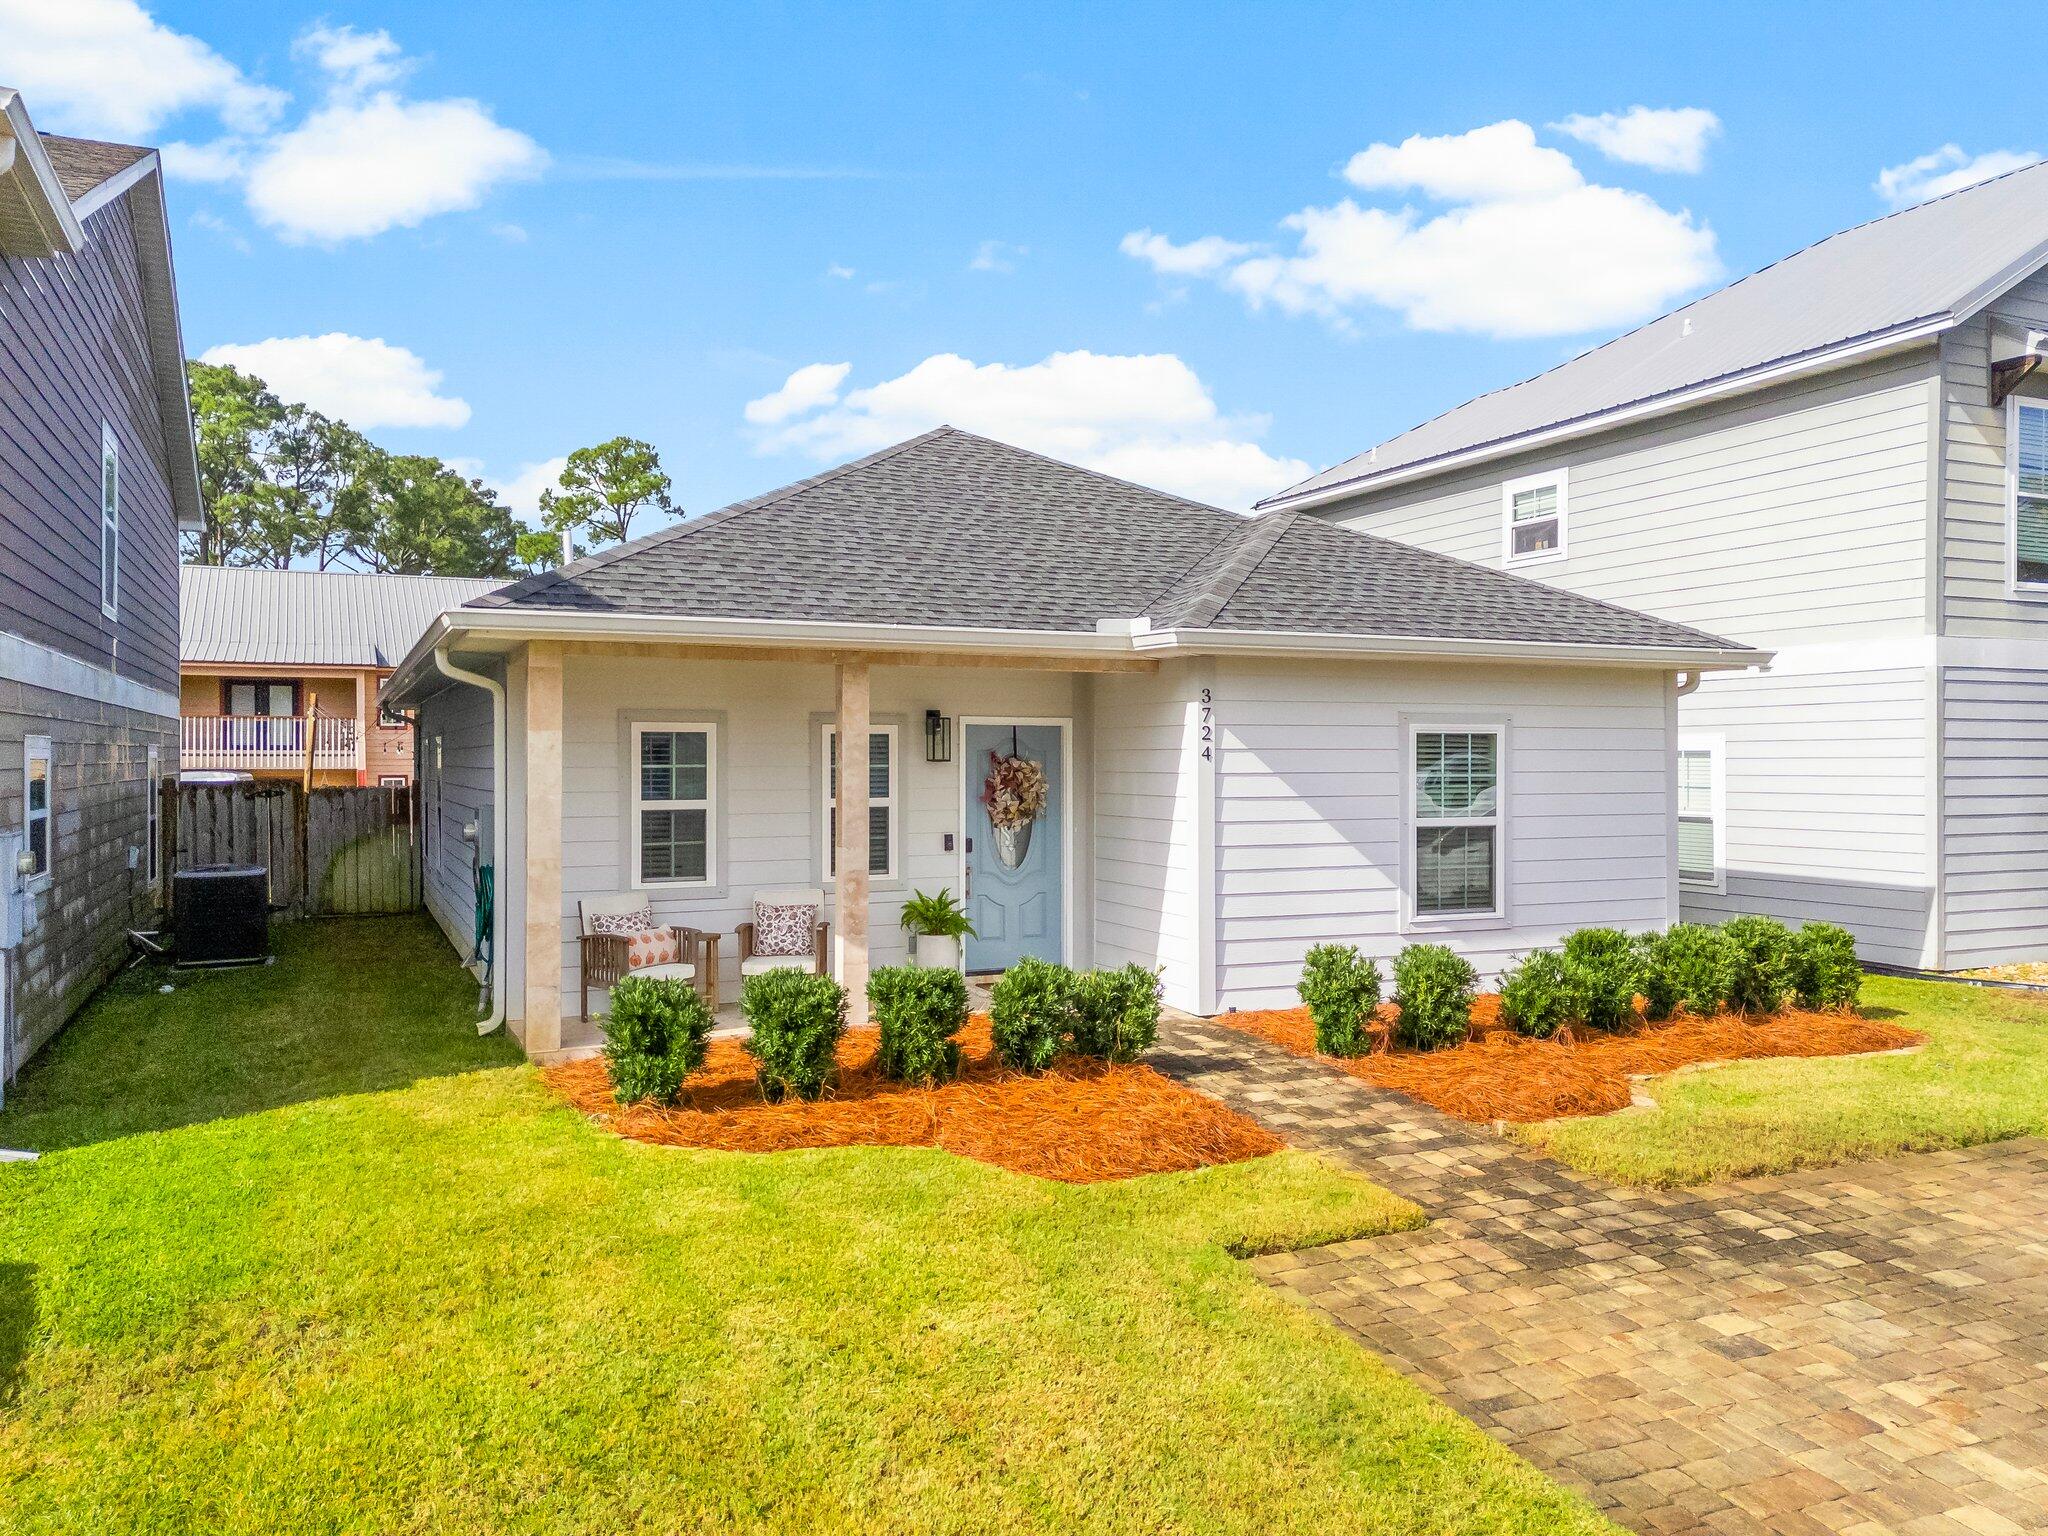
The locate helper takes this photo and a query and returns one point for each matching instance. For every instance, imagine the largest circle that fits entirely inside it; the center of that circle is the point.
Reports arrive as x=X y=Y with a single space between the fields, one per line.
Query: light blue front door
x=1016 y=908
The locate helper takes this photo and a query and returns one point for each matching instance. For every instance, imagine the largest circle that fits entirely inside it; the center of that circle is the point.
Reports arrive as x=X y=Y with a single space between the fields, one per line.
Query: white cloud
x=223 y=160
x=839 y=270
x=1947 y=169
x=522 y=492
x=364 y=381
x=996 y=256
x=1528 y=246
x=811 y=386
x=1501 y=160
x=107 y=67
x=1198 y=258
x=358 y=61
x=511 y=234
x=1148 y=417
x=358 y=168
x=1662 y=138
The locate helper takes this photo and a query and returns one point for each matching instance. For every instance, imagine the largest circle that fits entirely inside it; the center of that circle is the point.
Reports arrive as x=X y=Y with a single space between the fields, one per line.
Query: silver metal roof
x=1925 y=267
x=310 y=618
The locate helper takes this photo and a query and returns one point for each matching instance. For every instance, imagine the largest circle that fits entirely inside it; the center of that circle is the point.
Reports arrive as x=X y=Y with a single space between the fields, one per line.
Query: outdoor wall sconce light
x=938 y=737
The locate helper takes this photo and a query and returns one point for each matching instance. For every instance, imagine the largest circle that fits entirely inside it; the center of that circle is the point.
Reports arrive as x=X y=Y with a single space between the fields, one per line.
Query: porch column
x=850 y=855
x=543 y=847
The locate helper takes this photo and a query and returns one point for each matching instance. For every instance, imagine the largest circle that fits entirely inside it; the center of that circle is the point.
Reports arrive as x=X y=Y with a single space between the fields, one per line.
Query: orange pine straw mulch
x=1080 y=1122
x=1500 y=1075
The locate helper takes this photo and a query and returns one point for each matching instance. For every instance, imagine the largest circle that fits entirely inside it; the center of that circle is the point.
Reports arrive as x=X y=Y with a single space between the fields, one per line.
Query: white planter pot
x=938 y=951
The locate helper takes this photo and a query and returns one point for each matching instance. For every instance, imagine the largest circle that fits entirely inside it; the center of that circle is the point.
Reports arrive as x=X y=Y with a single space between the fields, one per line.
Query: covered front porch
x=700 y=776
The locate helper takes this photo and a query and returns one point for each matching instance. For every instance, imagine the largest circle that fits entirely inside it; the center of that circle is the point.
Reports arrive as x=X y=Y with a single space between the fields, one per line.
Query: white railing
x=268 y=741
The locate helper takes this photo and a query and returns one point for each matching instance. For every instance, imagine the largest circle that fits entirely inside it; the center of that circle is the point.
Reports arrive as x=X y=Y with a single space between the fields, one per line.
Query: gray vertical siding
x=1994 y=815
x=74 y=354
x=460 y=792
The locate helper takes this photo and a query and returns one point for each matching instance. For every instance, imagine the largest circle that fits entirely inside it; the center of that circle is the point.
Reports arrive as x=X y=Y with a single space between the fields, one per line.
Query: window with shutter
x=1456 y=813
x=674 y=782
x=881 y=802
x=2030 y=494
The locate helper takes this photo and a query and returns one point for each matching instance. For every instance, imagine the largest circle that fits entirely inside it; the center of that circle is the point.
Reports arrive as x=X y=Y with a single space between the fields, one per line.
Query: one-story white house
x=1256 y=734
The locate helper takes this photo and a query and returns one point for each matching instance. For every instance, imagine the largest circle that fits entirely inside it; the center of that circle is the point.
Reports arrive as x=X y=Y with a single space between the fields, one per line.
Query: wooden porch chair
x=818 y=958
x=604 y=954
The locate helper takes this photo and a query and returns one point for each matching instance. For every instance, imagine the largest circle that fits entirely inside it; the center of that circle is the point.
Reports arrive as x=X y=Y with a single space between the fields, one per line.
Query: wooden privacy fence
x=329 y=851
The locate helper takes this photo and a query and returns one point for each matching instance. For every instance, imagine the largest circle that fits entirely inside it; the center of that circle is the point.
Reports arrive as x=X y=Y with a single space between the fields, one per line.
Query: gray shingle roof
x=954 y=530
x=82 y=164
x=309 y=618
x=1923 y=265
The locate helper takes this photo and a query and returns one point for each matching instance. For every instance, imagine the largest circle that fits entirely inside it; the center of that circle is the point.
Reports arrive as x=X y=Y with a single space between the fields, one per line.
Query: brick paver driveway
x=1860 y=1349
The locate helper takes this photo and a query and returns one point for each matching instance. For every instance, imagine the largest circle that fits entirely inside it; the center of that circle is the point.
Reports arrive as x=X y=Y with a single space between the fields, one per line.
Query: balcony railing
x=268 y=741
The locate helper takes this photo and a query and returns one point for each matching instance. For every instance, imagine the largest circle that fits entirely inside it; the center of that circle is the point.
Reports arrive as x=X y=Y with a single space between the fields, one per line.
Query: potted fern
x=936 y=925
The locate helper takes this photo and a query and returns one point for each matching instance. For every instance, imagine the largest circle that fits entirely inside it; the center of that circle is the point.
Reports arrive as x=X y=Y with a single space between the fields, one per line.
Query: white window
x=153 y=816
x=110 y=522
x=391 y=780
x=1533 y=511
x=1702 y=859
x=2027 y=487
x=38 y=788
x=674 y=775
x=881 y=802
x=1457 y=811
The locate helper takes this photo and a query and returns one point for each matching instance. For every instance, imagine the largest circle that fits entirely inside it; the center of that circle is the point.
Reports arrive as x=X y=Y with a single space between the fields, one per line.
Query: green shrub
x=1541 y=995
x=1116 y=1013
x=940 y=916
x=797 y=1018
x=1433 y=987
x=1759 y=963
x=1824 y=969
x=1609 y=971
x=654 y=1037
x=1340 y=988
x=1686 y=966
x=1031 y=1013
x=918 y=1010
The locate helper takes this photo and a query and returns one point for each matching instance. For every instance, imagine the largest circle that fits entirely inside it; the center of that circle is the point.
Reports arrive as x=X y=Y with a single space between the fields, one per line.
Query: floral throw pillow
x=623 y=922
x=652 y=946
x=785 y=930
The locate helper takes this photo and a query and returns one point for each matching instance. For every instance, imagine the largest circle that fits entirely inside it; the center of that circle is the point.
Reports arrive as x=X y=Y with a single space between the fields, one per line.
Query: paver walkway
x=1858 y=1350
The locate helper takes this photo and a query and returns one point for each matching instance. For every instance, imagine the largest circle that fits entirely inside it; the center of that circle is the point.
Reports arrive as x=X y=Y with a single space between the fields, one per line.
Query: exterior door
x=1015 y=887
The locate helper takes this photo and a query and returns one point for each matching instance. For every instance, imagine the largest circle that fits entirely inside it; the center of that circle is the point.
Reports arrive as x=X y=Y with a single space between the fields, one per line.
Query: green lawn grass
x=1983 y=1076
x=306 y=1255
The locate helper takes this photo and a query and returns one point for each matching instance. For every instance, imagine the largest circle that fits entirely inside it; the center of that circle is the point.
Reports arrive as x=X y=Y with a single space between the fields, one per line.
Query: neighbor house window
x=37 y=789
x=1457 y=821
x=881 y=801
x=1533 y=510
x=673 y=776
x=110 y=522
x=1700 y=814
x=2029 y=437
x=153 y=814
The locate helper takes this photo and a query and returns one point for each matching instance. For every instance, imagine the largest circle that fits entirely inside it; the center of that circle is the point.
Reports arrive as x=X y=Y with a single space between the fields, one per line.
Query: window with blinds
x=1533 y=518
x=1457 y=816
x=2030 y=494
x=881 y=802
x=1699 y=812
x=674 y=773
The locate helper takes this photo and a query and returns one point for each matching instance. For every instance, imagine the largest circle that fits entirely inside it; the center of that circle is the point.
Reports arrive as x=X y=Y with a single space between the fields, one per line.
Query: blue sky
x=577 y=221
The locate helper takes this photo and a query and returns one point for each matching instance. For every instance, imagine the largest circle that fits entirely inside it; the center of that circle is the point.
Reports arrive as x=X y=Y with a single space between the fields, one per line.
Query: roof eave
x=67 y=235
x=1896 y=338
x=1302 y=643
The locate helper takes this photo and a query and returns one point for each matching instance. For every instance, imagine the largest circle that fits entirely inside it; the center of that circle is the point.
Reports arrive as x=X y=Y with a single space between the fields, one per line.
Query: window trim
x=1509 y=490
x=110 y=522
x=2023 y=591
x=391 y=781
x=152 y=820
x=1413 y=919
x=1715 y=746
x=709 y=804
x=827 y=729
x=33 y=748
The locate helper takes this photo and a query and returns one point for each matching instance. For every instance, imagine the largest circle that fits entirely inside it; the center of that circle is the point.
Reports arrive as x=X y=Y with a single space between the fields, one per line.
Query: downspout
x=1687 y=681
x=500 y=794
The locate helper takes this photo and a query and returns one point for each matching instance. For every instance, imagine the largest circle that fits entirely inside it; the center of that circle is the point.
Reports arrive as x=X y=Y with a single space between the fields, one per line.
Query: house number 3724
x=1208 y=726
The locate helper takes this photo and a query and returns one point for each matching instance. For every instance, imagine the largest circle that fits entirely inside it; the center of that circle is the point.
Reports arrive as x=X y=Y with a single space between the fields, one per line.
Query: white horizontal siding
x=1790 y=516
x=1311 y=809
x=1829 y=803
x=1147 y=865
x=1994 y=815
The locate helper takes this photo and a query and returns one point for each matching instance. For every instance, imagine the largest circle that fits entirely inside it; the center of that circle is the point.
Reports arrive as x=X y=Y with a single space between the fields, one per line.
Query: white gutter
x=1215 y=642
x=69 y=234
x=1584 y=426
x=501 y=794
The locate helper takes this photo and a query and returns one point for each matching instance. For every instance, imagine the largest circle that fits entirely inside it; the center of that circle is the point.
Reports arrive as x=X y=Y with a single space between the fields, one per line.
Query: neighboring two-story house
x=279 y=670
x=98 y=474
x=1842 y=458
